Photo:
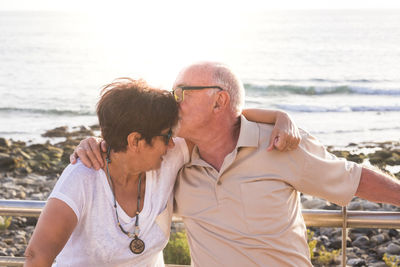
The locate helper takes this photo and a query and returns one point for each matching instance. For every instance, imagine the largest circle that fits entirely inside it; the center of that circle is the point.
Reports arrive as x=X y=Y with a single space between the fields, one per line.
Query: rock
x=5 y=143
x=364 y=231
x=331 y=206
x=7 y=162
x=56 y=132
x=363 y=205
x=54 y=152
x=393 y=160
x=21 y=195
x=330 y=232
x=377 y=264
x=315 y=203
x=336 y=243
x=393 y=249
x=380 y=251
x=383 y=154
x=324 y=240
x=358 y=158
x=393 y=233
x=95 y=127
x=379 y=239
x=356 y=262
x=356 y=205
x=83 y=131
x=367 y=205
x=361 y=242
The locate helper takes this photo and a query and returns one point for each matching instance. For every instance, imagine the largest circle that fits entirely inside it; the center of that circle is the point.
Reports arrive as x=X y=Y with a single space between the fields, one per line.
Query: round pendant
x=136 y=245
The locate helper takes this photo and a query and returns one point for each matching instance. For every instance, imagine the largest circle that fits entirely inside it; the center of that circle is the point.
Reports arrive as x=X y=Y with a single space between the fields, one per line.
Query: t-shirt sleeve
x=70 y=187
x=180 y=152
x=323 y=175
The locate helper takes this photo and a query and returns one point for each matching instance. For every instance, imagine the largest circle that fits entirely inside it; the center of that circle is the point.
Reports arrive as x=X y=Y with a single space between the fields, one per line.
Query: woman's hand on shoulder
x=285 y=135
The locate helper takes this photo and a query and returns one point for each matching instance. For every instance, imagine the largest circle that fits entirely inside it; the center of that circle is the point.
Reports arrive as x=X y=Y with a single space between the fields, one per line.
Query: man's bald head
x=208 y=73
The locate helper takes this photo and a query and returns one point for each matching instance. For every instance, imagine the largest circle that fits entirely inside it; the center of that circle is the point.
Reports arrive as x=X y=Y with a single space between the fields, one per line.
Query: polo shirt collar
x=248 y=137
x=249 y=133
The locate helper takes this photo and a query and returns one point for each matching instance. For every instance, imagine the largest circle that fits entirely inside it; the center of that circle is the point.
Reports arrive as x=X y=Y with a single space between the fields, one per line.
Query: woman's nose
x=171 y=143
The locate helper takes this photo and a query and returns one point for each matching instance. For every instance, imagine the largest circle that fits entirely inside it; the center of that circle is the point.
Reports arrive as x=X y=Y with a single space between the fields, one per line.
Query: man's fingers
x=95 y=154
x=72 y=158
x=93 y=158
x=103 y=146
x=82 y=154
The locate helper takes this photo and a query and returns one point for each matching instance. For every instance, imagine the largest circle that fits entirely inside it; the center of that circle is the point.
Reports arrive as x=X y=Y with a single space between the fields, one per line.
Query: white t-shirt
x=96 y=239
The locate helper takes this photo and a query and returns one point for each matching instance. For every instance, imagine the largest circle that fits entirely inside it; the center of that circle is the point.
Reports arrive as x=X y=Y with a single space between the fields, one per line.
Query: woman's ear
x=222 y=101
x=133 y=140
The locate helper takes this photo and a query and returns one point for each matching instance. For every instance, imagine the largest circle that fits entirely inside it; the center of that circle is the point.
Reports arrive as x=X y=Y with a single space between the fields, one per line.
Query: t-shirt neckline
x=123 y=217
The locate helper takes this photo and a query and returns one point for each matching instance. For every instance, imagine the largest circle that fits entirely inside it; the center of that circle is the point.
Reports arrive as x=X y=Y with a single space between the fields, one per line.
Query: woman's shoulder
x=79 y=173
x=179 y=153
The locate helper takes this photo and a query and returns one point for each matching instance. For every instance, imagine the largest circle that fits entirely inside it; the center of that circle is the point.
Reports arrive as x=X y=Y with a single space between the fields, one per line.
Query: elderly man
x=240 y=203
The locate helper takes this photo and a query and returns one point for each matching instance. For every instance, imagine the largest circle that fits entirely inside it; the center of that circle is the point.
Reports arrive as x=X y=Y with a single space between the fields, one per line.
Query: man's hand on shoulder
x=89 y=152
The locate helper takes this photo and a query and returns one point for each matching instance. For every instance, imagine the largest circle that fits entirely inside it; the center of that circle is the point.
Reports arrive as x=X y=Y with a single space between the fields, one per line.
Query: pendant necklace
x=137 y=244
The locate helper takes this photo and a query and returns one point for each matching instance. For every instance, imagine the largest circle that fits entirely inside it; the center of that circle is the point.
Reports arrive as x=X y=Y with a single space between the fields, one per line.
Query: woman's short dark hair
x=128 y=105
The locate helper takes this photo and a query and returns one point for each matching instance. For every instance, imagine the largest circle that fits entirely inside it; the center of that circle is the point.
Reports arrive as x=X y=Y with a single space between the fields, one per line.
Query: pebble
x=379 y=239
x=393 y=249
x=315 y=203
x=356 y=262
x=378 y=264
x=361 y=241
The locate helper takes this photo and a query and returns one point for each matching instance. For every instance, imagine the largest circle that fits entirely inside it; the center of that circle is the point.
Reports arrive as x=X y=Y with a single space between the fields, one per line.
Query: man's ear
x=133 y=141
x=222 y=101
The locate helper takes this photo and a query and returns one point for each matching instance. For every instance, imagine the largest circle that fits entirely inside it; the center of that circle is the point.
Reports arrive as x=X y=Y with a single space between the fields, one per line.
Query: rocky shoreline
x=30 y=172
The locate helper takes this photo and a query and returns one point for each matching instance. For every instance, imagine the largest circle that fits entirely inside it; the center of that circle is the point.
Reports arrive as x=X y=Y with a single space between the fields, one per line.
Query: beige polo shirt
x=249 y=213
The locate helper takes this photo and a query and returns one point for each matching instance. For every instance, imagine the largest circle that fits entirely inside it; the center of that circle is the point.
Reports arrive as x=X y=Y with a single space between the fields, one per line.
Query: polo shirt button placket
x=219 y=183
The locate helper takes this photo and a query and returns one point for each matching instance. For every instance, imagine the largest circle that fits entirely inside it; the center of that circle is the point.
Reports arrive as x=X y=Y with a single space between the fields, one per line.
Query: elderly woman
x=119 y=215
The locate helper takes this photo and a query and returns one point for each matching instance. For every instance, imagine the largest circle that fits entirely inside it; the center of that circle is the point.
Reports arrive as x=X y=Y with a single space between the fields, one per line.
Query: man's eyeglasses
x=166 y=136
x=179 y=91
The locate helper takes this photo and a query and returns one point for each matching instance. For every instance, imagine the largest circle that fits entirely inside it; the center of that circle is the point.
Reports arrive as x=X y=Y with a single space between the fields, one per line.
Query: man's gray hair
x=227 y=79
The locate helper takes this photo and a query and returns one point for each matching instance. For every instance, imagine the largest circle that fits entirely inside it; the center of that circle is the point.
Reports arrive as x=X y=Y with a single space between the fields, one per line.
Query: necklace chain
x=137 y=229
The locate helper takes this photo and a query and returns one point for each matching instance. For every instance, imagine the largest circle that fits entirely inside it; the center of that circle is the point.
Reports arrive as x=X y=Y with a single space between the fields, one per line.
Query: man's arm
x=285 y=136
x=378 y=187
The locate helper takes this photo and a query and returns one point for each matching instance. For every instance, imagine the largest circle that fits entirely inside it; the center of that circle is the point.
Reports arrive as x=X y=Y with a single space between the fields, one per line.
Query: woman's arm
x=55 y=226
x=285 y=136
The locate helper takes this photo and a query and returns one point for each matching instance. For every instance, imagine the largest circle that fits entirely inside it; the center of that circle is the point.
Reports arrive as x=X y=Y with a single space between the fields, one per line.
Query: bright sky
x=185 y=5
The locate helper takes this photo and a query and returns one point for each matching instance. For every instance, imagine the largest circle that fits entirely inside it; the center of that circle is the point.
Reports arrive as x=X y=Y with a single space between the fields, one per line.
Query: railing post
x=344 y=236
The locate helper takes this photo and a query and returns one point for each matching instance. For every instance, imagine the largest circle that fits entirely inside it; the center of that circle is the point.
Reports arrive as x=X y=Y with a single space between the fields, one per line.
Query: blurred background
x=334 y=66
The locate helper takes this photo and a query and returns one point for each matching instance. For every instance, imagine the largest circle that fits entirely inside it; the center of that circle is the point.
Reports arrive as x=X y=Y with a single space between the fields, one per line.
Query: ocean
x=336 y=72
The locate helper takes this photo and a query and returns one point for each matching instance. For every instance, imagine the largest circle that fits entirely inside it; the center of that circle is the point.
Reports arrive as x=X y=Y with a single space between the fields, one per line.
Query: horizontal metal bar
x=25 y=208
x=355 y=219
x=11 y=261
x=318 y=218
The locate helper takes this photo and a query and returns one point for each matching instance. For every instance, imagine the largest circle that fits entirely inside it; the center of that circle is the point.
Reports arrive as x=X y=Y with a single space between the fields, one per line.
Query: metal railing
x=319 y=218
